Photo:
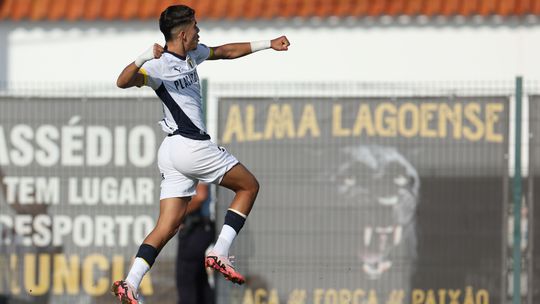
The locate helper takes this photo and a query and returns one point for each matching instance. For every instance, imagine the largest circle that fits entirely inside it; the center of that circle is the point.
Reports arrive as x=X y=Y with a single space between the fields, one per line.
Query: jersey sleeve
x=201 y=53
x=151 y=70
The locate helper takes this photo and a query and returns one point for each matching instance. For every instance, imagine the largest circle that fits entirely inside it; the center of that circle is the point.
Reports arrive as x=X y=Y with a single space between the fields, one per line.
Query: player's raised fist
x=153 y=52
x=158 y=50
x=280 y=43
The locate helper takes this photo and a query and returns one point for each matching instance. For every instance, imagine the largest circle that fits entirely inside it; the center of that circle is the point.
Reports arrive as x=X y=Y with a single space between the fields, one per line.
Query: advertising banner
x=369 y=200
x=80 y=191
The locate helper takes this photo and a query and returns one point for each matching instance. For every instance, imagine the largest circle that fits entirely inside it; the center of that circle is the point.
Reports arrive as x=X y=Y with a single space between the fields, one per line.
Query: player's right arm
x=131 y=75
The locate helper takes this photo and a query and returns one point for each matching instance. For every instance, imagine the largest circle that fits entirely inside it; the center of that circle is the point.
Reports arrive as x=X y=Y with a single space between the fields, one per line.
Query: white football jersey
x=177 y=84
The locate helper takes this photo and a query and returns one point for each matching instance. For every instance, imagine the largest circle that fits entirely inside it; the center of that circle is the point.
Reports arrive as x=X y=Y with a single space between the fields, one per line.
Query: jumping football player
x=187 y=155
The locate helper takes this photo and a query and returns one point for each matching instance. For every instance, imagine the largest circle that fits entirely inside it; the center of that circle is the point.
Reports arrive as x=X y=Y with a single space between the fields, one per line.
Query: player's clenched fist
x=158 y=50
x=154 y=52
x=280 y=44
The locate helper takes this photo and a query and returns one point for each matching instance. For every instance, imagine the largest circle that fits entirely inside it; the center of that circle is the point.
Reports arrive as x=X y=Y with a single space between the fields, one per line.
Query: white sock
x=224 y=241
x=139 y=268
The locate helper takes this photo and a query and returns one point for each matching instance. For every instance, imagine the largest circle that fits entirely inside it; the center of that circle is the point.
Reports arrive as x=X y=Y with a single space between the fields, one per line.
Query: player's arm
x=240 y=49
x=198 y=199
x=131 y=76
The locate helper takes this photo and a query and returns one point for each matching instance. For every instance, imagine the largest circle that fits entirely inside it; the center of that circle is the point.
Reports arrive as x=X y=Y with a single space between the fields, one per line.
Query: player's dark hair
x=173 y=16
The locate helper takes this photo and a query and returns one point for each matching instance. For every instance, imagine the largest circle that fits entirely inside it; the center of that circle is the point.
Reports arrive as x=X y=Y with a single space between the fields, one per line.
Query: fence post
x=516 y=190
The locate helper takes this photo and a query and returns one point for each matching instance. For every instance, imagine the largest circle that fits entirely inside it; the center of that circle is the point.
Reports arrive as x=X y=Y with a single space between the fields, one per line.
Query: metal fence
x=370 y=192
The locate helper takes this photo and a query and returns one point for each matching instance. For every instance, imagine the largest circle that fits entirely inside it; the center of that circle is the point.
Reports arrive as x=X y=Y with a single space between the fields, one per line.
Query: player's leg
x=176 y=191
x=171 y=214
x=213 y=164
x=246 y=188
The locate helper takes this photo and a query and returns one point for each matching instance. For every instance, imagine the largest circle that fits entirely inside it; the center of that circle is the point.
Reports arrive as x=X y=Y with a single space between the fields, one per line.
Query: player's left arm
x=198 y=199
x=240 y=49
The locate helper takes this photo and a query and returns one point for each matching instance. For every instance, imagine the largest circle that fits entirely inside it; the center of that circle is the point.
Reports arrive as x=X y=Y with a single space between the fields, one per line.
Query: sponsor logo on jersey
x=186 y=80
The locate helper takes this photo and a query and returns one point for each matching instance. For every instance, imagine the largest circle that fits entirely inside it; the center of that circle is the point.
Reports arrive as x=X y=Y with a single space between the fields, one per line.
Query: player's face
x=192 y=36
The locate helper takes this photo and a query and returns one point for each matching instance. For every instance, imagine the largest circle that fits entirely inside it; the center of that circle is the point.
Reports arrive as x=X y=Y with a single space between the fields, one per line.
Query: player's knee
x=250 y=186
x=255 y=186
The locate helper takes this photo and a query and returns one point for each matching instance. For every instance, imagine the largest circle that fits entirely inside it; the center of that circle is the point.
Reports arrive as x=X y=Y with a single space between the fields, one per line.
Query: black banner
x=370 y=200
x=79 y=191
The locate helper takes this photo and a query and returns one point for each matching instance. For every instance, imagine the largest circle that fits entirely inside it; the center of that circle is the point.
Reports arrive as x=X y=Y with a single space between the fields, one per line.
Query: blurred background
x=395 y=143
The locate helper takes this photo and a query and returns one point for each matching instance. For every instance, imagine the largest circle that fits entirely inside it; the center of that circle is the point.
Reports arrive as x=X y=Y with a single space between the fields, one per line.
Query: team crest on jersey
x=190 y=63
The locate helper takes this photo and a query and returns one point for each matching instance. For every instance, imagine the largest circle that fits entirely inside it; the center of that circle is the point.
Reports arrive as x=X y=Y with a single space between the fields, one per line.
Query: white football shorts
x=183 y=162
